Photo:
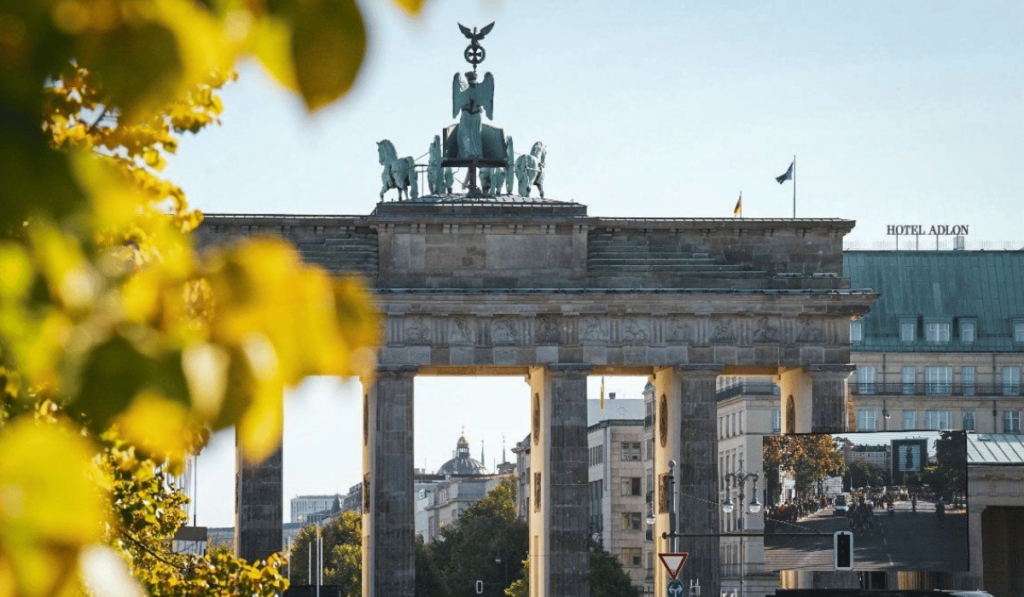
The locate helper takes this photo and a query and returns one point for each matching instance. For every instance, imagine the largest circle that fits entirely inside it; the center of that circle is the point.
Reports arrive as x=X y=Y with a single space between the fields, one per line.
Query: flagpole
x=794 y=187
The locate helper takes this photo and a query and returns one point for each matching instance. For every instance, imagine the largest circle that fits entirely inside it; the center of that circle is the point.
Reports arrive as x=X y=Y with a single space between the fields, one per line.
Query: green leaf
x=328 y=44
x=140 y=66
x=113 y=375
x=36 y=179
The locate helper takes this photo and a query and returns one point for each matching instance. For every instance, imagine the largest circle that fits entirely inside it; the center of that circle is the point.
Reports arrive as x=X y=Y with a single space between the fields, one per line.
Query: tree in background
x=949 y=476
x=866 y=474
x=810 y=458
x=468 y=549
x=119 y=344
x=342 y=549
x=607 y=577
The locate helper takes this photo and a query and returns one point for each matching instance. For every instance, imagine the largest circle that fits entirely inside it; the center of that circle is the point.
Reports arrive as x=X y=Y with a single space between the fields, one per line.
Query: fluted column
x=559 y=560
x=828 y=401
x=685 y=431
x=388 y=496
x=259 y=497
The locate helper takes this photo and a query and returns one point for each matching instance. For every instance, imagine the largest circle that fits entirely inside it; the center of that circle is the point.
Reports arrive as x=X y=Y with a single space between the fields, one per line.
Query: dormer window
x=908 y=330
x=937 y=332
x=856 y=332
x=968 y=331
x=1018 y=332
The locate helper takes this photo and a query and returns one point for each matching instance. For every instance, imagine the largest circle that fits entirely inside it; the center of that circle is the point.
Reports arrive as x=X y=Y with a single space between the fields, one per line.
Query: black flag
x=788 y=175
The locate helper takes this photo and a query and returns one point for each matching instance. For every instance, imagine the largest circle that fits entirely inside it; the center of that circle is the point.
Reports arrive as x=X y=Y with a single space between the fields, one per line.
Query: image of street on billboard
x=903 y=495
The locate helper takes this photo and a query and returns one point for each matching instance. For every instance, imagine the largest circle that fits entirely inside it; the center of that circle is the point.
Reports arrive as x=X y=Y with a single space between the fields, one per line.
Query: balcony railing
x=934 y=389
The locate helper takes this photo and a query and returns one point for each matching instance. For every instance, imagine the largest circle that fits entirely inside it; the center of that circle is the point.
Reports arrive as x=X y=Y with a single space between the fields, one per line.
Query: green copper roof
x=942 y=285
x=995 y=449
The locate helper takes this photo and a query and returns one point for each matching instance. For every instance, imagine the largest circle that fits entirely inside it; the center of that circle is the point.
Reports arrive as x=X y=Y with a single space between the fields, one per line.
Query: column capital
x=696 y=369
x=567 y=368
x=821 y=370
x=391 y=372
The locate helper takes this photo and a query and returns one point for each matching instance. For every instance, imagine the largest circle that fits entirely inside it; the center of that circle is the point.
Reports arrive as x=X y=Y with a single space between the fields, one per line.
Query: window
x=967 y=331
x=631 y=450
x=631 y=521
x=936 y=332
x=1011 y=421
x=967 y=380
x=938 y=419
x=1011 y=381
x=776 y=420
x=596 y=455
x=856 y=332
x=1018 y=332
x=867 y=419
x=909 y=379
x=938 y=380
x=968 y=420
x=908 y=331
x=631 y=557
x=909 y=420
x=865 y=379
x=631 y=486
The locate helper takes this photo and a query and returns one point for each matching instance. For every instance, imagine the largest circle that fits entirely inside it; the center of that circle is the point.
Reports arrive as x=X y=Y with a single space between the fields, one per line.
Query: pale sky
x=905 y=112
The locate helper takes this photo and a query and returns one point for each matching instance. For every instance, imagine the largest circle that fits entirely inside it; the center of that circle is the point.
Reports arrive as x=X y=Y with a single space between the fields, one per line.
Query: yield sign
x=673 y=562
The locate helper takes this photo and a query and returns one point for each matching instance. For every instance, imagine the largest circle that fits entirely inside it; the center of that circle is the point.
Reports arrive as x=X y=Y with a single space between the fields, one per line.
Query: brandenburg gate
x=496 y=283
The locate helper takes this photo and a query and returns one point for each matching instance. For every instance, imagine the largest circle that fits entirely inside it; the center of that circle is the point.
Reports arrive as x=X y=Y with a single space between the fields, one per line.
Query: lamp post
x=738 y=480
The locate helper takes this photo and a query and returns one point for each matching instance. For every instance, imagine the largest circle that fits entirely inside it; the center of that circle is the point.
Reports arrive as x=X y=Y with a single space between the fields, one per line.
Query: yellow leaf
x=412 y=7
x=327 y=46
x=16 y=272
x=156 y=425
x=49 y=504
x=270 y=42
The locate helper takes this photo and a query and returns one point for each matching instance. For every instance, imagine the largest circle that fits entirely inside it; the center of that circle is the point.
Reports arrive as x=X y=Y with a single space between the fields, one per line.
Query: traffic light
x=843 y=547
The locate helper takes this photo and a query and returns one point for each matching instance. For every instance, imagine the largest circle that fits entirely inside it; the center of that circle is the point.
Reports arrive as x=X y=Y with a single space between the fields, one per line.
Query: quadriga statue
x=530 y=170
x=399 y=173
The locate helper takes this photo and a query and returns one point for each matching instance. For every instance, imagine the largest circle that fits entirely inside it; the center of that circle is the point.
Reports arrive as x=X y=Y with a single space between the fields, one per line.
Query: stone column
x=258 y=506
x=828 y=403
x=685 y=431
x=828 y=415
x=388 y=497
x=559 y=508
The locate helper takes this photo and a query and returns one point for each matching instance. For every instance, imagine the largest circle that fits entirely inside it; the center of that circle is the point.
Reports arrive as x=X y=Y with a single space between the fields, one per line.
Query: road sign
x=675 y=588
x=673 y=562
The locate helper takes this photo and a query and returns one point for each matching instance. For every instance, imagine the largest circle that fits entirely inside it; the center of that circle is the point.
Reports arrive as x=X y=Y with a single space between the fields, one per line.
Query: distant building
x=442 y=498
x=306 y=508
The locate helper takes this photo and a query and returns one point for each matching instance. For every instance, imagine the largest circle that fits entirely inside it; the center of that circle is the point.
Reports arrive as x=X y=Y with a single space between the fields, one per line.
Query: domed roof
x=462 y=464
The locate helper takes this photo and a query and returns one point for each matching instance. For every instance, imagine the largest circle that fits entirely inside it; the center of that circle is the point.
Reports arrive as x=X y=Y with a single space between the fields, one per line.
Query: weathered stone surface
x=258 y=507
x=388 y=496
x=514 y=285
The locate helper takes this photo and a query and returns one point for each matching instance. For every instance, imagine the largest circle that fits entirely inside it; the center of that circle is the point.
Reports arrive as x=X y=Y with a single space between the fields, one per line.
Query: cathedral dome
x=462 y=463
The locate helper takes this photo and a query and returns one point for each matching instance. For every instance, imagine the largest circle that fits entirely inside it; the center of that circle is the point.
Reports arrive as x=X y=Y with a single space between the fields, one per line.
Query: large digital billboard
x=902 y=494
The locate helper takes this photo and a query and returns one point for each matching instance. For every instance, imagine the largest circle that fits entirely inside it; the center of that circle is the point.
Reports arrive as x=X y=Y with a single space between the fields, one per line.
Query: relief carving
x=460 y=331
x=721 y=330
x=634 y=331
x=593 y=328
x=663 y=421
x=417 y=331
x=548 y=331
x=765 y=332
x=811 y=332
x=536 y=419
x=680 y=331
x=504 y=331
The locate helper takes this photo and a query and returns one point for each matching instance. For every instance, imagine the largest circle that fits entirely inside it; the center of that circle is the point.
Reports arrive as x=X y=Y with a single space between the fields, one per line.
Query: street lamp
x=738 y=480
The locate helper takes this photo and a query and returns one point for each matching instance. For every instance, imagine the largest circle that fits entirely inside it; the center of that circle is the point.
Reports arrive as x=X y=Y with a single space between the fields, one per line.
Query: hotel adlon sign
x=933 y=230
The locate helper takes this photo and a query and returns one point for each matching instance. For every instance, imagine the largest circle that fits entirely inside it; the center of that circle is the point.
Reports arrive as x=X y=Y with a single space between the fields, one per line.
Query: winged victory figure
x=470 y=99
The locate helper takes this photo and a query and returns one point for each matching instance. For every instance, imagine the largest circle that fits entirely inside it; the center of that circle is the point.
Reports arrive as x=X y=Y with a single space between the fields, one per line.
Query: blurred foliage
x=120 y=346
x=866 y=474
